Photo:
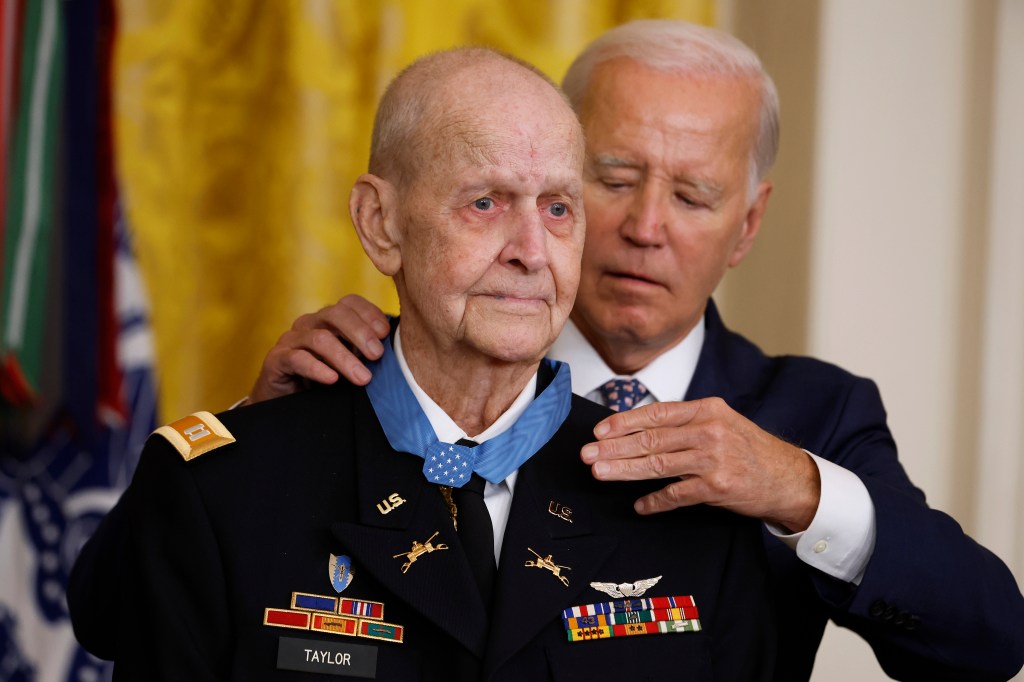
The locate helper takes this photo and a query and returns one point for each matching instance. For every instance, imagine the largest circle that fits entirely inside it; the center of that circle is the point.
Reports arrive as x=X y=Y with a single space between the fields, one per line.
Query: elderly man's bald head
x=474 y=205
x=423 y=107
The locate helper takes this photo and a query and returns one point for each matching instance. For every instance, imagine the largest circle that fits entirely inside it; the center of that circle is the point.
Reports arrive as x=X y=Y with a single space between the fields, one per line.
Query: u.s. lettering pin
x=339 y=569
x=560 y=510
x=419 y=549
x=547 y=563
x=393 y=500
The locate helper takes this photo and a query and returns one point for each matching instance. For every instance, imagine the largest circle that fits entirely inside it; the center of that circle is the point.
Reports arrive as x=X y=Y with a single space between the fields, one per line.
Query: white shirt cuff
x=841 y=537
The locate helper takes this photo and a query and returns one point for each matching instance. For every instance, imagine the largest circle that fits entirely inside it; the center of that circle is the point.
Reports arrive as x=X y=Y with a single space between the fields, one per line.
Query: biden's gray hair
x=690 y=49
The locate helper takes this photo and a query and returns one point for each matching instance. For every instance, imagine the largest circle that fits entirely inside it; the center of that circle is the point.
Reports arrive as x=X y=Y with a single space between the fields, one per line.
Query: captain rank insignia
x=196 y=434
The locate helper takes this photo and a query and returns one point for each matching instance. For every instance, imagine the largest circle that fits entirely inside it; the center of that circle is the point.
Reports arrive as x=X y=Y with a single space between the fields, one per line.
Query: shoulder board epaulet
x=196 y=434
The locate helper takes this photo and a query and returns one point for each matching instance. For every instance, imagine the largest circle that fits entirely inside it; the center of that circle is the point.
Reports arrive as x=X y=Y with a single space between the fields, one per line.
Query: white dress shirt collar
x=666 y=375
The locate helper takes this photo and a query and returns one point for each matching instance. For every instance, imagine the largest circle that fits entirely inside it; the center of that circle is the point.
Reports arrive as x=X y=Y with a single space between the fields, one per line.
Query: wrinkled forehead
x=493 y=116
x=499 y=88
x=526 y=146
x=539 y=146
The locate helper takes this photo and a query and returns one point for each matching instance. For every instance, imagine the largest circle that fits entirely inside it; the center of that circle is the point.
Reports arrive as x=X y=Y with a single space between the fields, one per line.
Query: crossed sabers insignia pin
x=419 y=549
x=547 y=563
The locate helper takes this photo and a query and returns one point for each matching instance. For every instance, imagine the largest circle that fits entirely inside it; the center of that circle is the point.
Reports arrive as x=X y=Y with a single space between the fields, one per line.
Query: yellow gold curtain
x=240 y=126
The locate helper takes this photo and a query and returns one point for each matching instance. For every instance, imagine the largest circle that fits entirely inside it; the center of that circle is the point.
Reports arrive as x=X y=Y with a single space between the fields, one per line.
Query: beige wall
x=894 y=242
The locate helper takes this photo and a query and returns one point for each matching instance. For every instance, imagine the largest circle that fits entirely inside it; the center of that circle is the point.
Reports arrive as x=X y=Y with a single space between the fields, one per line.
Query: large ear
x=373 y=205
x=751 y=224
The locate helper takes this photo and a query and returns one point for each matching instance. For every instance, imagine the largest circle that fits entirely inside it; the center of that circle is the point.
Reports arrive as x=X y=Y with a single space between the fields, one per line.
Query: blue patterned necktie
x=620 y=395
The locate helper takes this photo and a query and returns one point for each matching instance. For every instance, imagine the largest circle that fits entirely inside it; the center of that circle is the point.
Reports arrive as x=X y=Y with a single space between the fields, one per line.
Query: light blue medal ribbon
x=408 y=429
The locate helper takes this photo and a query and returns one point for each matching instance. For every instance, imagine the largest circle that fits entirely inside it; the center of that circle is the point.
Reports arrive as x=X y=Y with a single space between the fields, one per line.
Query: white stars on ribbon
x=449 y=464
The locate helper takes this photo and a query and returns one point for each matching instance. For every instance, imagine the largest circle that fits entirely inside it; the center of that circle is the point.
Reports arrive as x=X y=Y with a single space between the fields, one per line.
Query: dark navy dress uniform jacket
x=214 y=541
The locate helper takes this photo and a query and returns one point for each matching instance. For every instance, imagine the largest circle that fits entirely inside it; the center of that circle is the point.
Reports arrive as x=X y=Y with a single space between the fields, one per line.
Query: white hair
x=691 y=49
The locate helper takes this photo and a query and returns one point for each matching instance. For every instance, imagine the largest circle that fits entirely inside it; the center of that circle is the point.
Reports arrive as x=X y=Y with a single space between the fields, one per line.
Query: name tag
x=331 y=658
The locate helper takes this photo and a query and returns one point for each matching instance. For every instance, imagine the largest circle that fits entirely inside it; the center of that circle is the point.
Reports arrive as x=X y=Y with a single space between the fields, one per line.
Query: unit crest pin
x=339 y=570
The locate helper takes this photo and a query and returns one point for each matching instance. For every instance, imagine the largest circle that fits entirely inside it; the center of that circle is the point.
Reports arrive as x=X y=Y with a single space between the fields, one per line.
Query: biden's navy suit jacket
x=933 y=604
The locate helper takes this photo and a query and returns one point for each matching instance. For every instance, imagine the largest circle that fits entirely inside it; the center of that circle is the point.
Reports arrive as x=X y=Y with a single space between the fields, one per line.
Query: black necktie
x=476 y=532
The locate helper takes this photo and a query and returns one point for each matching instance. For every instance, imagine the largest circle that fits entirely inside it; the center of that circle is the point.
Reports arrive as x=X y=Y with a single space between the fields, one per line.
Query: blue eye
x=484 y=204
x=558 y=209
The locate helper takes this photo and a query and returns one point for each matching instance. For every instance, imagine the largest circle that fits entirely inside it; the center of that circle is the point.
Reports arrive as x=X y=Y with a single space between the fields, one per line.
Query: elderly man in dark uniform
x=437 y=524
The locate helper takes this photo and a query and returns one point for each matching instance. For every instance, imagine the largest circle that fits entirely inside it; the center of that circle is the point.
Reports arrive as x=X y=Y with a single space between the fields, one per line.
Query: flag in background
x=54 y=494
x=35 y=77
x=239 y=128
x=78 y=398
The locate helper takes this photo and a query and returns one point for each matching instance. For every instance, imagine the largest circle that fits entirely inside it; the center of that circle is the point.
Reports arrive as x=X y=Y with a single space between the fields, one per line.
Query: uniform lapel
x=528 y=597
x=438 y=584
x=726 y=364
